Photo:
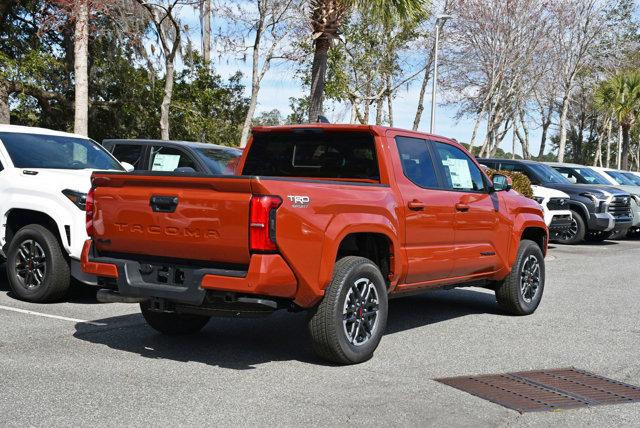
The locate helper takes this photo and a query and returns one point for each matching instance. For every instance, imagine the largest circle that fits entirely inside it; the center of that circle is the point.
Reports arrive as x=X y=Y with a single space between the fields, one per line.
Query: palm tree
x=327 y=16
x=620 y=96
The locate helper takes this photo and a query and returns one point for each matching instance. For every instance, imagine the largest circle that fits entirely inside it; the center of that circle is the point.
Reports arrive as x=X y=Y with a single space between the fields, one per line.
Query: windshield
x=631 y=176
x=591 y=176
x=56 y=152
x=546 y=174
x=620 y=179
x=220 y=161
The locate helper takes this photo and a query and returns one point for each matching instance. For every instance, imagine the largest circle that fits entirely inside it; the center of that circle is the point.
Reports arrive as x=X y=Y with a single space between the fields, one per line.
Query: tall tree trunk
x=577 y=146
x=543 y=140
x=609 y=126
x=476 y=125
x=255 y=84
x=513 y=142
x=389 y=100
x=318 y=75
x=166 y=101
x=423 y=90
x=5 y=113
x=205 y=19
x=246 y=127
x=525 y=140
x=563 y=128
x=619 y=154
x=546 y=123
x=625 y=147
x=81 y=77
x=597 y=160
x=379 y=110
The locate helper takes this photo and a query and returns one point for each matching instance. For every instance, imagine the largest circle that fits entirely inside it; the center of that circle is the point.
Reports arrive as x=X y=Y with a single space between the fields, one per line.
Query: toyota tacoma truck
x=333 y=219
x=44 y=178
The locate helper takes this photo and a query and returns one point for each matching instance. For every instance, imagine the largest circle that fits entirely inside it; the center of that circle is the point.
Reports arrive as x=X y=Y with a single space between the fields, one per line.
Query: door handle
x=164 y=204
x=416 y=205
x=462 y=207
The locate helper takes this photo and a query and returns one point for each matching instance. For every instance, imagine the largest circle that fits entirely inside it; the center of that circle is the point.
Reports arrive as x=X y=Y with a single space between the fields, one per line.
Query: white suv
x=555 y=205
x=44 y=178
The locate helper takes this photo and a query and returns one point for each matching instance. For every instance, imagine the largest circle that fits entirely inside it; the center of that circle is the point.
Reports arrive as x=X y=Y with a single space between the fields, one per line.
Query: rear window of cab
x=342 y=155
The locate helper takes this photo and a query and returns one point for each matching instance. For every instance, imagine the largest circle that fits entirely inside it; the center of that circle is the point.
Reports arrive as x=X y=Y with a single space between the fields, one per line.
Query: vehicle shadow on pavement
x=432 y=307
x=242 y=344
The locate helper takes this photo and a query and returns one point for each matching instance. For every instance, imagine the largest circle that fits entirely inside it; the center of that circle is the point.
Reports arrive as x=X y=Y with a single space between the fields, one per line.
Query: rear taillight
x=262 y=223
x=89 y=211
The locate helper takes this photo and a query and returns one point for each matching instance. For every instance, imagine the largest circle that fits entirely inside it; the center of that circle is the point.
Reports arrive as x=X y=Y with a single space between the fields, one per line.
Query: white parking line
x=58 y=317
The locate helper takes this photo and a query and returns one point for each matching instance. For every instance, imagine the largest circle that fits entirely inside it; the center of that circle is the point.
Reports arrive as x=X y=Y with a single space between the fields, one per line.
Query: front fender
x=580 y=208
x=523 y=221
x=61 y=211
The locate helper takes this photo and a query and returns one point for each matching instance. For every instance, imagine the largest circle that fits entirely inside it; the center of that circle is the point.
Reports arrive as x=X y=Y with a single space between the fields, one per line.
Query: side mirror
x=127 y=166
x=502 y=183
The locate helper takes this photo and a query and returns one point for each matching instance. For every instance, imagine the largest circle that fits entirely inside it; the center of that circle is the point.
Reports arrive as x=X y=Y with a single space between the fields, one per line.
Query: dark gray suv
x=598 y=211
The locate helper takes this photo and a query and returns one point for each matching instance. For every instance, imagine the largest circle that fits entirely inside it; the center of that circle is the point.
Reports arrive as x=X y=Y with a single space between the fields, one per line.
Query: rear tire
x=171 y=323
x=347 y=325
x=575 y=234
x=37 y=269
x=521 y=291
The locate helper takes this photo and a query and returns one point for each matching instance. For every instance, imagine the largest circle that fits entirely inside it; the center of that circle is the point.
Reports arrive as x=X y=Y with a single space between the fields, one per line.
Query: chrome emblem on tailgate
x=299 y=201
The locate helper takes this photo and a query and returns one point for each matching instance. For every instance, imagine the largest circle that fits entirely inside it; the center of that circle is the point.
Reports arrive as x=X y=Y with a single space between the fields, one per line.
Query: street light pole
x=442 y=18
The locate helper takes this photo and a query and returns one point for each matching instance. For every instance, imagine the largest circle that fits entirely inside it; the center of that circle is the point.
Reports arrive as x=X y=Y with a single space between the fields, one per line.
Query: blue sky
x=280 y=84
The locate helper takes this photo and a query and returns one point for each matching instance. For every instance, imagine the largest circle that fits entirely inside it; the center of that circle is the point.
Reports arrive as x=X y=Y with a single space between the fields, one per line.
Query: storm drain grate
x=546 y=390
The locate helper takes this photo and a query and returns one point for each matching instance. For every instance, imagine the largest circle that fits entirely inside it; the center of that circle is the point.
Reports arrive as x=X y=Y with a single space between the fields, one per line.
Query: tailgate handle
x=164 y=204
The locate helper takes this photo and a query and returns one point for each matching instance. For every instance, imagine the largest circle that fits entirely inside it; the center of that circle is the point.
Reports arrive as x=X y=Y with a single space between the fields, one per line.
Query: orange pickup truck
x=333 y=219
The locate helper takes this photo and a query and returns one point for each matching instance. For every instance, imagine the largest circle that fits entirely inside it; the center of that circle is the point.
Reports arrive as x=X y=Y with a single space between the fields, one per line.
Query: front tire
x=36 y=267
x=521 y=291
x=172 y=323
x=348 y=324
x=576 y=233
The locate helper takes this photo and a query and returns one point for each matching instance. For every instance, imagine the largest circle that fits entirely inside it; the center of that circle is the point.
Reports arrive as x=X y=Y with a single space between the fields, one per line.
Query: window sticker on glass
x=459 y=173
x=165 y=162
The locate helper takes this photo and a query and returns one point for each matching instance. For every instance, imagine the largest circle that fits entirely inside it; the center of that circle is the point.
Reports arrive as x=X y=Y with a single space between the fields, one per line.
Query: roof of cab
x=39 y=131
x=374 y=129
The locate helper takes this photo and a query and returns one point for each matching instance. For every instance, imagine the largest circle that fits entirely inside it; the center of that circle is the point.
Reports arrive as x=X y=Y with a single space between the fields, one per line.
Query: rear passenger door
x=481 y=230
x=427 y=211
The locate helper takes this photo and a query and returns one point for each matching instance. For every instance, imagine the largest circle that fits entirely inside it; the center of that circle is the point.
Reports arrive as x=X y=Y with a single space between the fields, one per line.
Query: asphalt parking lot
x=99 y=364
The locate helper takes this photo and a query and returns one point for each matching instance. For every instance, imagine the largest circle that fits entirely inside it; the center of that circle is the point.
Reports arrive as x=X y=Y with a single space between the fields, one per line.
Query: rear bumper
x=78 y=274
x=267 y=275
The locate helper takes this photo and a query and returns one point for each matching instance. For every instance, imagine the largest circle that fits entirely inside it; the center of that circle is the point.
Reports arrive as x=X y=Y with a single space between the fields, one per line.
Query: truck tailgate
x=180 y=217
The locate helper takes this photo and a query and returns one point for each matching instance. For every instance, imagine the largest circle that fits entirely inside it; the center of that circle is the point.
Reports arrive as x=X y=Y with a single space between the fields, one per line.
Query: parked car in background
x=180 y=156
x=615 y=177
x=332 y=219
x=633 y=176
x=557 y=214
x=44 y=180
x=554 y=203
x=592 y=175
x=597 y=211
